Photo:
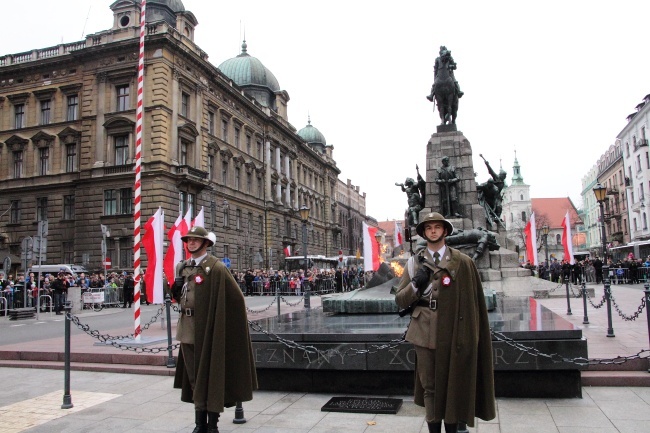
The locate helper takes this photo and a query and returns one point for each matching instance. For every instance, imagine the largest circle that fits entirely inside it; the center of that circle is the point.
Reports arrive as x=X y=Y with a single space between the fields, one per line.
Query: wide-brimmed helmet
x=198 y=232
x=431 y=217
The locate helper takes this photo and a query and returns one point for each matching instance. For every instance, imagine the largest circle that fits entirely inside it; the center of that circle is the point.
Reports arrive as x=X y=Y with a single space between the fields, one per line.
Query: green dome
x=175 y=5
x=313 y=136
x=246 y=70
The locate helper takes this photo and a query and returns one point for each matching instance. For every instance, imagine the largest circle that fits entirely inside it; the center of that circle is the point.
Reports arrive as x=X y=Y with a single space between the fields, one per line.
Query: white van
x=74 y=270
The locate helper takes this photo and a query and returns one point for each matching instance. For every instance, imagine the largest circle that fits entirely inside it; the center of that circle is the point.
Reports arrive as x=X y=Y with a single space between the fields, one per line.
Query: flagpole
x=138 y=184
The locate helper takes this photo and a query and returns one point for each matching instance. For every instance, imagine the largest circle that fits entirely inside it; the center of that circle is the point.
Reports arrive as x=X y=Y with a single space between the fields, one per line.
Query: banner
x=530 y=233
x=567 y=242
x=370 y=248
x=153 y=245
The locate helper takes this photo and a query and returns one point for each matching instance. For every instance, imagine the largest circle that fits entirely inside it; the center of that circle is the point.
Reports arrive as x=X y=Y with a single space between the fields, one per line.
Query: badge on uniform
x=198 y=279
x=446 y=281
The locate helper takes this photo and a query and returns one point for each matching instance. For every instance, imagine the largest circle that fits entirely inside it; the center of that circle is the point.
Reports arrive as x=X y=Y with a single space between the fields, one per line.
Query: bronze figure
x=447 y=181
x=445 y=89
x=415 y=196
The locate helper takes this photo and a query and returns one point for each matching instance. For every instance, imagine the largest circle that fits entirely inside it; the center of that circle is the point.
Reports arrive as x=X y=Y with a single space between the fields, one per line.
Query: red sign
x=340 y=255
x=107 y=263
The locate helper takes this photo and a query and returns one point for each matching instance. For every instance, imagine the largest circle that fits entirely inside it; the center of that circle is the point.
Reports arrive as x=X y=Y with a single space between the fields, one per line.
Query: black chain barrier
x=106 y=337
x=600 y=304
x=264 y=309
x=292 y=304
x=623 y=315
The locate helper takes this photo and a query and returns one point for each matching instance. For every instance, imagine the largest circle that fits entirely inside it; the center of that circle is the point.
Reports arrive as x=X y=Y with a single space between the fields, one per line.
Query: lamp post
x=304 y=217
x=545 y=230
x=601 y=193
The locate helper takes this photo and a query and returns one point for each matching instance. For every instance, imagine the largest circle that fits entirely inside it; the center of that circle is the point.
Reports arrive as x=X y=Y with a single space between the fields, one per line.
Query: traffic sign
x=108 y=263
x=226 y=261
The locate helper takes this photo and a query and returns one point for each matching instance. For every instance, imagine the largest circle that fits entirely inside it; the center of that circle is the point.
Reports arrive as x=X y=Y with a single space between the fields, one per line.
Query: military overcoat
x=464 y=377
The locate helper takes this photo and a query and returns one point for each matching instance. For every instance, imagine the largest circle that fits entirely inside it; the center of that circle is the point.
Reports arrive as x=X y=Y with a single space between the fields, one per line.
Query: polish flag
x=183 y=228
x=199 y=220
x=397 y=236
x=153 y=245
x=287 y=251
x=531 y=240
x=175 y=249
x=370 y=248
x=567 y=240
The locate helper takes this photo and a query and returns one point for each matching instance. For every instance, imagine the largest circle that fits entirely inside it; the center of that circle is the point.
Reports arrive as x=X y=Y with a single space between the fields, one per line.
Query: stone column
x=100 y=142
x=173 y=149
x=267 y=162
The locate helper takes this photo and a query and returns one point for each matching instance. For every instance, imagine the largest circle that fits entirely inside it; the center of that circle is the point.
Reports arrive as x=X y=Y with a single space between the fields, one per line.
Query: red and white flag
x=370 y=248
x=199 y=220
x=287 y=251
x=183 y=228
x=567 y=242
x=531 y=240
x=175 y=250
x=153 y=245
x=397 y=235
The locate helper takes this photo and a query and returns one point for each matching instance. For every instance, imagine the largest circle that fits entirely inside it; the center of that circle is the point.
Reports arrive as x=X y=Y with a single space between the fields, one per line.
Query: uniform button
x=460 y=318
x=435 y=290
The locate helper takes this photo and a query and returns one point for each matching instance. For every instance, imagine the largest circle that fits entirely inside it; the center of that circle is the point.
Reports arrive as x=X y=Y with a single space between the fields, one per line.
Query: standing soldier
x=215 y=362
x=450 y=330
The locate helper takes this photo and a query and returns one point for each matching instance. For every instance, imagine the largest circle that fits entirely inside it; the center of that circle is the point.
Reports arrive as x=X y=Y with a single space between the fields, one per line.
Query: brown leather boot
x=213 y=419
x=201 y=421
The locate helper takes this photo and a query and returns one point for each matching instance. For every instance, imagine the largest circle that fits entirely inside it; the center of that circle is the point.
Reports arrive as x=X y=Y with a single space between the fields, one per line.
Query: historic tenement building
x=213 y=137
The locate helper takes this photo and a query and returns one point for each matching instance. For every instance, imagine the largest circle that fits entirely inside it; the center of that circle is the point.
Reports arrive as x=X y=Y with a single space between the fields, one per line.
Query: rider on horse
x=445 y=56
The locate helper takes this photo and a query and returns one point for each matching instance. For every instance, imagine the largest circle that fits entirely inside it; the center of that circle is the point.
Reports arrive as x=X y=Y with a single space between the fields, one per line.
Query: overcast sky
x=553 y=80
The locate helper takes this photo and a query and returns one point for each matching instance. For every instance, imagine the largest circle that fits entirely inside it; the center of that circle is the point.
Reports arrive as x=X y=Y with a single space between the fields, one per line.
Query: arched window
x=523 y=216
x=558 y=239
x=521 y=197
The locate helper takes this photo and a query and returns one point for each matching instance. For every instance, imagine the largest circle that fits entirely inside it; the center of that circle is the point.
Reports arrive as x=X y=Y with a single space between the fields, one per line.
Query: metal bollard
x=568 y=301
x=585 y=317
x=307 y=295
x=277 y=298
x=171 y=363
x=239 y=414
x=608 y=288
x=67 y=398
x=646 y=291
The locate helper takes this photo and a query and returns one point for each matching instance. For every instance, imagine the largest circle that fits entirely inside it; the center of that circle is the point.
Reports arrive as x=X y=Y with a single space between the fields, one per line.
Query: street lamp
x=545 y=230
x=304 y=217
x=601 y=193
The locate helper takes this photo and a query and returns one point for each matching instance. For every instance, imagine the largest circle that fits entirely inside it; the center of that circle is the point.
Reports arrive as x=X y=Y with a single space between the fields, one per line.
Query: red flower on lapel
x=446 y=281
x=198 y=279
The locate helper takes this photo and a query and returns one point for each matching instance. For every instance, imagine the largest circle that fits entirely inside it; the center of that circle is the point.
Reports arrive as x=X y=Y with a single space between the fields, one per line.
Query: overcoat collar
x=451 y=257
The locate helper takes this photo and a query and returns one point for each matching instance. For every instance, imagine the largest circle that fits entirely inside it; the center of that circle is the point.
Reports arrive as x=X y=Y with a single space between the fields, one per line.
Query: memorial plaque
x=363 y=405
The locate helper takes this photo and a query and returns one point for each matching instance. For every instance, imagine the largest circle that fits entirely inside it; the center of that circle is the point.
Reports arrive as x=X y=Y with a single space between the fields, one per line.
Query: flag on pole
x=183 y=228
x=153 y=245
x=199 y=220
x=397 y=235
x=370 y=248
x=287 y=251
x=531 y=240
x=174 y=251
x=567 y=242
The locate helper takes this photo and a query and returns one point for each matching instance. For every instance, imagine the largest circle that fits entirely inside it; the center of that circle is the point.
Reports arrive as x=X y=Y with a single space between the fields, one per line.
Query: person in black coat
x=127 y=289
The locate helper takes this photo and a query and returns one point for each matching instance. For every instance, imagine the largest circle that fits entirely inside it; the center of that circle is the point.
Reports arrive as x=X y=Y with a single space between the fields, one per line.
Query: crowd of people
x=629 y=270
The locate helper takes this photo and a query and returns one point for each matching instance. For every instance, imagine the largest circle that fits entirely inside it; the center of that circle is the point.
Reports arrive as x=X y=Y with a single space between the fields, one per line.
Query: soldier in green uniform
x=215 y=368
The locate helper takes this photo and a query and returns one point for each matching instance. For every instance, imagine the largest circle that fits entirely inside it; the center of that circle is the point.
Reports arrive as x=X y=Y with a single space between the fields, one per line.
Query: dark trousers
x=59 y=300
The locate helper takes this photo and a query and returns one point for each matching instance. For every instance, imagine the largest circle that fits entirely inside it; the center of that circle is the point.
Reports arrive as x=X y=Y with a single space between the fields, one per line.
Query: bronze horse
x=445 y=92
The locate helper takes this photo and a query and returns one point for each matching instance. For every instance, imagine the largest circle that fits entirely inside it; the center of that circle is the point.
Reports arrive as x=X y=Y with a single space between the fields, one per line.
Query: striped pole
x=138 y=184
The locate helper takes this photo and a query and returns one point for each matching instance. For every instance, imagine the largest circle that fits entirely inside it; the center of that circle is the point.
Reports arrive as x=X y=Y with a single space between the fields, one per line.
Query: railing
x=44 y=53
x=318 y=286
x=3 y=301
x=118 y=169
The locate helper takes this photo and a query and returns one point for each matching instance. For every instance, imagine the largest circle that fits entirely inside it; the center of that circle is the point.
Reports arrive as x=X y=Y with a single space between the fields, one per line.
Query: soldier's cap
x=198 y=232
x=431 y=217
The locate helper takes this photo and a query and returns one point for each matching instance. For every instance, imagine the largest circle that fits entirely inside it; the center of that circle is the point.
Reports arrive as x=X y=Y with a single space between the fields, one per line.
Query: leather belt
x=189 y=312
x=431 y=304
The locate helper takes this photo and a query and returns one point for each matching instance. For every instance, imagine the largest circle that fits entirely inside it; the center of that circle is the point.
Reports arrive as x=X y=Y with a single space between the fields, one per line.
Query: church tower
x=517 y=208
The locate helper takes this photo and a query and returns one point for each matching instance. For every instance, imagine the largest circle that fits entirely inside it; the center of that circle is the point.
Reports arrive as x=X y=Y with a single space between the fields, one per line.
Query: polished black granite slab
x=518 y=318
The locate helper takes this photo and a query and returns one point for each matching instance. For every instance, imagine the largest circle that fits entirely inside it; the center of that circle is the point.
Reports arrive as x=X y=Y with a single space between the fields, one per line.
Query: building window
x=125 y=254
x=123 y=101
x=224 y=130
x=41 y=209
x=121 y=149
x=18 y=164
x=224 y=172
x=110 y=202
x=19 y=116
x=237 y=133
x=523 y=216
x=15 y=212
x=210 y=167
x=183 y=158
x=44 y=159
x=638 y=163
x=73 y=108
x=260 y=220
x=259 y=150
x=70 y=158
x=259 y=186
x=238 y=219
x=248 y=144
x=211 y=122
x=68 y=251
x=126 y=200
x=249 y=182
x=46 y=111
x=185 y=104
x=186 y=203
x=68 y=208
x=237 y=178
x=287 y=227
x=226 y=216
x=226 y=251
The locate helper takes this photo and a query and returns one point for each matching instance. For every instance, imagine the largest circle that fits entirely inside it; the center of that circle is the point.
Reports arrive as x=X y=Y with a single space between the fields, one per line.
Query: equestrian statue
x=445 y=90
